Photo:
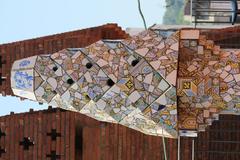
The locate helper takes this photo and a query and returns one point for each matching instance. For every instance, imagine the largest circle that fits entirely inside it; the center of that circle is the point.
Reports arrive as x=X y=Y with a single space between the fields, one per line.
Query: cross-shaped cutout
x=53 y=155
x=2 y=62
x=2 y=133
x=2 y=79
x=2 y=151
x=26 y=143
x=54 y=134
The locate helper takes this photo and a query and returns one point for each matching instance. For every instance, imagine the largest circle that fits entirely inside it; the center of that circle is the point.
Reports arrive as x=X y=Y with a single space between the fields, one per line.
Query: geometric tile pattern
x=159 y=83
x=208 y=81
x=131 y=82
x=162 y=54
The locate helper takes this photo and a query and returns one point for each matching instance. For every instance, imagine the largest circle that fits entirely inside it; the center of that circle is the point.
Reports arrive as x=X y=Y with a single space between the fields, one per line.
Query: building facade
x=84 y=135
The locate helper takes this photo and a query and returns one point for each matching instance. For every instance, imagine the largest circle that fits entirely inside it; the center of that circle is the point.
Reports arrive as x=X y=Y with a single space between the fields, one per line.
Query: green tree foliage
x=174 y=12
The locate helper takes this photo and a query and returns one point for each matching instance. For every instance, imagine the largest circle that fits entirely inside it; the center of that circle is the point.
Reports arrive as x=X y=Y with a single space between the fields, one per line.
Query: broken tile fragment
x=189 y=34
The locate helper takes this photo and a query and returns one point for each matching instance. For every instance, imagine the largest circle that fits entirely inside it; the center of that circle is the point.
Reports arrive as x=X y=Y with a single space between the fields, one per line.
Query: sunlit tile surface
x=131 y=82
x=208 y=81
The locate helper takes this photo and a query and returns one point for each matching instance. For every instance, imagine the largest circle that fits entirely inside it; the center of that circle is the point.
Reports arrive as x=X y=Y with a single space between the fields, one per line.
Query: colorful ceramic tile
x=26 y=63
x=130 y=70
x=113 y=81
x=136 y=120
x=207 y=81
x=161 y=54
x=189 y=34
x=91 y=110
x=91 y=79
x=45 y=93
x=116 y=103
x=136 y=81
x=23 y=80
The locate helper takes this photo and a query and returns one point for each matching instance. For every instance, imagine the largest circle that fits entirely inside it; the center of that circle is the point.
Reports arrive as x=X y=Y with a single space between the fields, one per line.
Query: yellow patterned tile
x=186 y=85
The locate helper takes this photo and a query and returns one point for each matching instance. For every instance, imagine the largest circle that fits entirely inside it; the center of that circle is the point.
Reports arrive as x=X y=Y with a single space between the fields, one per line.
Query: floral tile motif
x=23 y=80
x=24 y=64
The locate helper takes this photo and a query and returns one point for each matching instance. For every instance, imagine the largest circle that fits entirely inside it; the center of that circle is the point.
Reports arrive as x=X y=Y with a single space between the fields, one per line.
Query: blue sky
x=24 y=19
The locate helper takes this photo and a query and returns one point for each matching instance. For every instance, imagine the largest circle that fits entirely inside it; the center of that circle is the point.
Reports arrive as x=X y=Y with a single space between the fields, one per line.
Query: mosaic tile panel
x=207 y=81
x=134 y=81
x=23 y=80
x=136 y=120
x=111 y=60
x=164 y=111
x=91 y=110
x=73 y=61
x=53 y=74
x=150 y=83
x=26 y=63
x=131 y=82
x=91 y=79
x=161 y=54
x=116 y=103
x=131 y=72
